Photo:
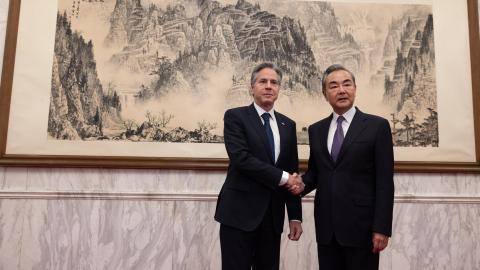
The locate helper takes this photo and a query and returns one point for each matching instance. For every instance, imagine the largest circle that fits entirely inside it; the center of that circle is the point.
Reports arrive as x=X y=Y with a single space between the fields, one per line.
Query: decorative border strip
x=439 y=199
x=89 y=195
x=147 y=196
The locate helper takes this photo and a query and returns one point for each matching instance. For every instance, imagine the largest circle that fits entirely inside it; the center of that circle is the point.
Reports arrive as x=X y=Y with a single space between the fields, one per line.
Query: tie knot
x=340 y=119
x=266 y=117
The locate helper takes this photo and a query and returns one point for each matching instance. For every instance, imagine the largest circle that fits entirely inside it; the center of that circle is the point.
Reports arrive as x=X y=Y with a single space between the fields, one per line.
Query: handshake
x=295 y=184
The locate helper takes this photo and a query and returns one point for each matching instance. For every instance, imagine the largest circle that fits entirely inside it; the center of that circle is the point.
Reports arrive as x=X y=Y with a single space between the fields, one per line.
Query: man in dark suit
x=351 y=168
x=262 y=147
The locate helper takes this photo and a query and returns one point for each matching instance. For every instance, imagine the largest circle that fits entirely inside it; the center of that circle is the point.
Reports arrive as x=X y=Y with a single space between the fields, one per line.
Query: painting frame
x=33 y=160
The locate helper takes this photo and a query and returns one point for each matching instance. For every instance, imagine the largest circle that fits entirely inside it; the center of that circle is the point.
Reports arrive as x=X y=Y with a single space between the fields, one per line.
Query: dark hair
x=258 y=68
x=329 y=70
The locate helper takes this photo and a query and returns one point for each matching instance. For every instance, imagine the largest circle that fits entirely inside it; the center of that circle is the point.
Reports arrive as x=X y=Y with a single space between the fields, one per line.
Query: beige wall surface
x=53 y=218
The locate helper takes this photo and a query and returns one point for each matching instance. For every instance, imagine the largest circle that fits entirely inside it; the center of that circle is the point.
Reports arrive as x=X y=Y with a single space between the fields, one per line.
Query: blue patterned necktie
x=337 y=138
x=268 y=130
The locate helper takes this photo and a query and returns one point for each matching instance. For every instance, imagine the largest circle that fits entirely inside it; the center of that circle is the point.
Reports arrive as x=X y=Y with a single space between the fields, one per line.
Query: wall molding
x=158 y=196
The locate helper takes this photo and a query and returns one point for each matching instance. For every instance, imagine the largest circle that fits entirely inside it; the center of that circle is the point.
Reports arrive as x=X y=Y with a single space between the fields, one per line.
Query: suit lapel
x=356 y=127
x=259 y=128
x=283 y=132
x=324 y=128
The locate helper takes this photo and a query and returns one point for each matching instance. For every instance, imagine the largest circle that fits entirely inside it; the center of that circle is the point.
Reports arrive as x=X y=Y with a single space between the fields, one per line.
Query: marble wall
x=53 y=218
x=160 y=219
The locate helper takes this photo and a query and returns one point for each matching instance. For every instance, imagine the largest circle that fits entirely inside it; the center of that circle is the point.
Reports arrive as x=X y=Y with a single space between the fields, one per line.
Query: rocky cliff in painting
x=78 y=107
x=408 y=72
x=411 y=91
x=413 y=82
x=329 y=41
x=125 y=22
x=219 y=36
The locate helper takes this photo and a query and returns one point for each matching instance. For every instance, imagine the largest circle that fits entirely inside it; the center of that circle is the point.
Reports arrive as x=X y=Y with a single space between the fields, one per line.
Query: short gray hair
x=258 y=68
x=332 y=68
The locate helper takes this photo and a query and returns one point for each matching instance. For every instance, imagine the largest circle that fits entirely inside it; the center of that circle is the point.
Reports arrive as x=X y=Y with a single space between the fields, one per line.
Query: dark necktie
x=268 y=130
x=337 y=138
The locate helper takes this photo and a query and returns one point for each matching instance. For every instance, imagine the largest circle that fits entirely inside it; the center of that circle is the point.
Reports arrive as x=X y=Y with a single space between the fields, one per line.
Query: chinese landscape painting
x=166 y=71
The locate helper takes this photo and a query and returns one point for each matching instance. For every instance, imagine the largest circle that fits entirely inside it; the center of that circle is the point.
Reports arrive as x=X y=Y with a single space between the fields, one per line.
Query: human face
x=265 y=89
x=340 y=91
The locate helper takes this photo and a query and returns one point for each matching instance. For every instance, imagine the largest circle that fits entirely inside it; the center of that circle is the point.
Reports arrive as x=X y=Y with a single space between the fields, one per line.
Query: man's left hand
x=295 y=230
x=380 y=242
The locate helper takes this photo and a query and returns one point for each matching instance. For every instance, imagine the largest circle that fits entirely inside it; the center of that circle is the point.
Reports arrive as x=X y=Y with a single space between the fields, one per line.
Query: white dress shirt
x=348 y=115
x=276 y=136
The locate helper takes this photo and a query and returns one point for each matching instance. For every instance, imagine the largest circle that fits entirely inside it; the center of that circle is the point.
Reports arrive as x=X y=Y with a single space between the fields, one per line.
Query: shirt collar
x=348 y=115
x=261 y=111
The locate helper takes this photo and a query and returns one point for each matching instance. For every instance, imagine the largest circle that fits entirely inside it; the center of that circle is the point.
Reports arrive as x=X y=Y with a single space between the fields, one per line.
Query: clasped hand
x=295 y=184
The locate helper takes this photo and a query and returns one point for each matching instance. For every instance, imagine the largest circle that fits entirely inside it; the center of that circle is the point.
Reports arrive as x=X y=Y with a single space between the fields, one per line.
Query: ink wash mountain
x=216 y=37
x=79 y=108
x=410 y=85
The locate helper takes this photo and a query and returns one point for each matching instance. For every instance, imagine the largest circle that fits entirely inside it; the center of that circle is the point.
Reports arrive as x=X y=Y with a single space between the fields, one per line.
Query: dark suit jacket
x=252 y=177
x=354 y=196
